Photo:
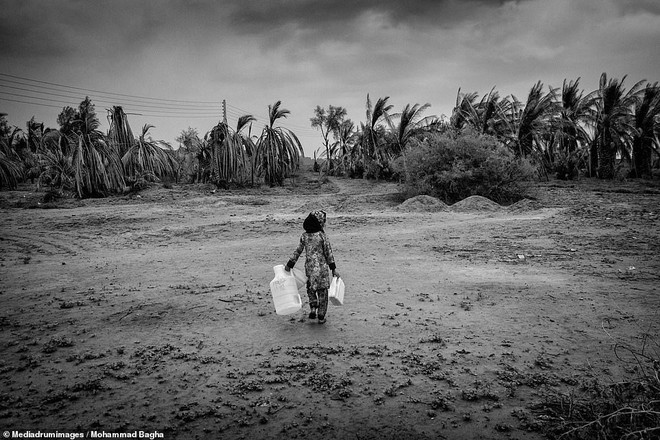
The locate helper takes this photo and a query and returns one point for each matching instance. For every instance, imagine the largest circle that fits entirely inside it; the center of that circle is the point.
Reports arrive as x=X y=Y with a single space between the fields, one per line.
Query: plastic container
x=301 y=280
x=285 y=292
x=336 y=291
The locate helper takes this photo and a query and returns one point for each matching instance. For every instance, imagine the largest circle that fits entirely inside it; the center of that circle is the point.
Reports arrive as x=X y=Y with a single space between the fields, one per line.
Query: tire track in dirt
x=46 y=243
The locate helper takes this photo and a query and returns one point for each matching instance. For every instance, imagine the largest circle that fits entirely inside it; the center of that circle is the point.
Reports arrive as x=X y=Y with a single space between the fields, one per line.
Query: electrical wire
x=109 y=93
x=75 y=95
x=145 y=107
x=45 y=92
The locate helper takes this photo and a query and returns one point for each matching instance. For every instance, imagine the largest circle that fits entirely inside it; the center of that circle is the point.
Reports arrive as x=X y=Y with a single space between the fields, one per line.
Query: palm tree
x=532 y=121
x=96 y=165
x=373 y=148
x=569 y=133
x=410 y=121
x=11 y=167
x=187 y=155
x=56 y=170
x=229 y=155
x=247 y=142
x=345 y=143
x=55 y=163
x=120 y=134
x=483 y=116
x=614 y=124
x=35 y=131
x=464 y=111
x=278 y=149
x=146 y=160
x=647 y=130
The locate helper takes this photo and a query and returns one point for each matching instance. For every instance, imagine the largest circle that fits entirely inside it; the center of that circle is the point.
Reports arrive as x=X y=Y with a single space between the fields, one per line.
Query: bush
x=452 y=168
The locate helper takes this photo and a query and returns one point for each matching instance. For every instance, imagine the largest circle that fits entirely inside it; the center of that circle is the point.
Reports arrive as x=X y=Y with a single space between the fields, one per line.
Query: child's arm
x=296 y=254
x=329 y=257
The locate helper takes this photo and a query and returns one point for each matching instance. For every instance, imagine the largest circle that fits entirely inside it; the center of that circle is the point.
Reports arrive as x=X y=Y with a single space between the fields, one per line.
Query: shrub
x=452 y=168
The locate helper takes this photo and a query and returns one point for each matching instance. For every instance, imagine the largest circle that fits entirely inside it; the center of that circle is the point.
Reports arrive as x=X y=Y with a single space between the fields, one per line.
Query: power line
x=129 y=106
x=49 y=92
x=105 y=100
x=33 y=103
x=110 y=93
x=128 y=113
x=76 y=95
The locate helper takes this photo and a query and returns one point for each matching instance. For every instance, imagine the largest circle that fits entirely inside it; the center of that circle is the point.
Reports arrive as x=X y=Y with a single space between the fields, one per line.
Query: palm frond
x=243 y=121
x=275 y=113
x=11 y=171
x=146 y=159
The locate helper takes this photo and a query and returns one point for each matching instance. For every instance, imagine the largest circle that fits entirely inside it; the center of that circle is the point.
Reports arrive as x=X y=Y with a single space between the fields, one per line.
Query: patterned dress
x=318 y=258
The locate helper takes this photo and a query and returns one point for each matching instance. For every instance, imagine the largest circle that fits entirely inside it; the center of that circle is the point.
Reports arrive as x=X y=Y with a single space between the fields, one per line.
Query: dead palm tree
x=228 y=154
x=120 y=134
x=146 y=160
x=96 y=165
x=278 y=149
x=247 y=143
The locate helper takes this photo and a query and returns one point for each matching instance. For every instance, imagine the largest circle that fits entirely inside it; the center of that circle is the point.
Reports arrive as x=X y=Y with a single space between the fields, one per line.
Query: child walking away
x=318 y=253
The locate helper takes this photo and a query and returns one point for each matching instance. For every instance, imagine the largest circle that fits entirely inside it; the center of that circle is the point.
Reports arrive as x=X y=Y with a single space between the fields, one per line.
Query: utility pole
x=224 y=111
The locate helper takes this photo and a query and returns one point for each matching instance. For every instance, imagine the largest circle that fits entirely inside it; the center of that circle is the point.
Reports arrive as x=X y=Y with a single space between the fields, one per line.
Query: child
x=319 y=257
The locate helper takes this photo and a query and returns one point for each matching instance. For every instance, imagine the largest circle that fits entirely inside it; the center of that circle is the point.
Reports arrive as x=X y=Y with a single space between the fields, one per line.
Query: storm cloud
x=308 y=52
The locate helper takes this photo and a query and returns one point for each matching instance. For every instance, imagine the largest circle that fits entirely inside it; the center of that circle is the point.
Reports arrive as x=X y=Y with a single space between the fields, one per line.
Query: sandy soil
x=152 y=312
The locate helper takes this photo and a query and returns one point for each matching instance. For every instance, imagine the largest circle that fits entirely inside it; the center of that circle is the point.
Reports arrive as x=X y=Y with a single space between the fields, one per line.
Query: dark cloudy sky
x=174 y=61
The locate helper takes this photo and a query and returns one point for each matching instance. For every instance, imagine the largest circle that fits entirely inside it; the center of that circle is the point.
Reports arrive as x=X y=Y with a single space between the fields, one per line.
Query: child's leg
x=323 y=302
x=313 y=299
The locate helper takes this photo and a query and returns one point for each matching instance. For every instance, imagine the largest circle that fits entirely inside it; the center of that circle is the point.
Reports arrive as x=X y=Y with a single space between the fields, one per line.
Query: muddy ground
x=152 y=312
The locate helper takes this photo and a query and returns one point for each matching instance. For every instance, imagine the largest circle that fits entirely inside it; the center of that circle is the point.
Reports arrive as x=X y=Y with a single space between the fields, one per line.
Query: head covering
x=315 y=222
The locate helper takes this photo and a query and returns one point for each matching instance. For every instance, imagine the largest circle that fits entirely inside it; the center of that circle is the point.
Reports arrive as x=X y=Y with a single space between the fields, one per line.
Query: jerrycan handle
x=279 y=271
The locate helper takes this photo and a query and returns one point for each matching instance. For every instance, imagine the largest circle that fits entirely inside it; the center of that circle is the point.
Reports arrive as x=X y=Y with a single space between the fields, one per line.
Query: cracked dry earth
x=153 y=313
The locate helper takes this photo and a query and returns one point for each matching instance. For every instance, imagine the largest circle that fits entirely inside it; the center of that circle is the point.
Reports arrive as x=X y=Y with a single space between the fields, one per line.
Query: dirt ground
x=152 y=312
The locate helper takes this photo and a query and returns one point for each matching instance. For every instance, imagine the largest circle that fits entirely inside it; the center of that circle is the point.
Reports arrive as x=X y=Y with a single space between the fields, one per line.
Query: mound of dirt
x=475 y=203
x=422 y=203
x=315 y=205
x=525 y=205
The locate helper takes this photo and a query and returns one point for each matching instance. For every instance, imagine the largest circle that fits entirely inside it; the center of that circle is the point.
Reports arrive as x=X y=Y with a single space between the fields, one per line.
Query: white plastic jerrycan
x=301 y=280
x=336 y=291
x=285 y=292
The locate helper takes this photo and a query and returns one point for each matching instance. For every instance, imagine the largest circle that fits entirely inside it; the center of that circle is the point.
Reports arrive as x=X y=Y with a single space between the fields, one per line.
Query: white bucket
x=336 y=291
x=285 y=292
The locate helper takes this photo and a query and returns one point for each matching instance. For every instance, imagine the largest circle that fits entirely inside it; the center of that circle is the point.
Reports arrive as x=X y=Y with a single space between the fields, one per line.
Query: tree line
x=79 y=159
x=563 y=131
